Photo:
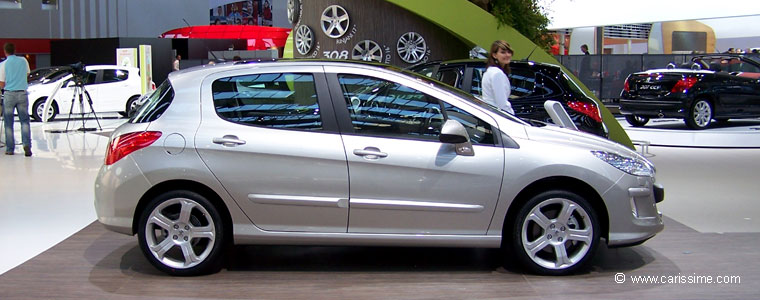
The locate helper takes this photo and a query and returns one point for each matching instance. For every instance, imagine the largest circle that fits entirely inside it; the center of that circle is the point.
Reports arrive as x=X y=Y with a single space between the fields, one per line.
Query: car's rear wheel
x=131 y=106
x=636 y=120
x=181 y=233
x=38 y=110
x=555 y=233
x=700 y=114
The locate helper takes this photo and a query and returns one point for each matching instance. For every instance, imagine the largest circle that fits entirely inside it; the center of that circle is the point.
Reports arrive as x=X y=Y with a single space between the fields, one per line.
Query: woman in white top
x=496 y=87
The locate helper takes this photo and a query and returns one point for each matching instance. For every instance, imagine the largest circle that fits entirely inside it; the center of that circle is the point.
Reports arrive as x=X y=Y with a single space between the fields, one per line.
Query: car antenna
x=204 y=41
x=531 y=52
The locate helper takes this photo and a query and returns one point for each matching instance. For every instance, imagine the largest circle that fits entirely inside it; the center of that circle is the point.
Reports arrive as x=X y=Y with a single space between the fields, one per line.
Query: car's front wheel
x=555 y=233
x=700 y=114
x=181 y=233
x=636 y=121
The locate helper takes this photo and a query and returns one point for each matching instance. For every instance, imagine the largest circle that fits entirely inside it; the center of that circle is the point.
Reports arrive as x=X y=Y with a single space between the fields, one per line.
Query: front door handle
x=229 y=141
x=370 y=153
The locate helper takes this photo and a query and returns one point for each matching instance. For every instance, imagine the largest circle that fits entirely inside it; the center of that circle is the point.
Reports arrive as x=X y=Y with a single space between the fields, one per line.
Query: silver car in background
x=352 y=153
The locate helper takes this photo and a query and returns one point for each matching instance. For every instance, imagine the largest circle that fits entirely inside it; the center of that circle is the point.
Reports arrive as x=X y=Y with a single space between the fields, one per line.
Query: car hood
x=553 y=134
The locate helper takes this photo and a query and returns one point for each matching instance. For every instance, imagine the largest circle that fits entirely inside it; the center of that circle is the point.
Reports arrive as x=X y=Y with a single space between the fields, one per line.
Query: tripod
x=81 y=93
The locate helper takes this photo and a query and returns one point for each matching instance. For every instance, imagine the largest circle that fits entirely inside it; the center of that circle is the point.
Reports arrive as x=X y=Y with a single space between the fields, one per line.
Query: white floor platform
x=48 y=197
x=744 y=133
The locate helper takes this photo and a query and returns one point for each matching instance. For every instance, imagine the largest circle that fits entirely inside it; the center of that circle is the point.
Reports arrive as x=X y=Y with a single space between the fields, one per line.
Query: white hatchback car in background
x=112 y=89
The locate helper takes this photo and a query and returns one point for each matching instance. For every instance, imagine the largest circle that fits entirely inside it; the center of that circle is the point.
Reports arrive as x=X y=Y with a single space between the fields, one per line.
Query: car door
x=270 y=138
x=114 y=90
x=403 y=179
x=89 y=82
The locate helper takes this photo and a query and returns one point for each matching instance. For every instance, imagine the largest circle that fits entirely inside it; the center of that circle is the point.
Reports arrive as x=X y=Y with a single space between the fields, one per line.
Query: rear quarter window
x=155 y=105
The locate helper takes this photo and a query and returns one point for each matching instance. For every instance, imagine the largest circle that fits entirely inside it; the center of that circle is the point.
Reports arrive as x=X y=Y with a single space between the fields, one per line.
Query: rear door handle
x=229 y=141
x=370 y=153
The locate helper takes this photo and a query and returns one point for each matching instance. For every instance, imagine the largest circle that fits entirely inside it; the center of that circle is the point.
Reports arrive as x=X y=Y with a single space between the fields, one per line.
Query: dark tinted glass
x=477 y=81
x=451 y=76
x=156 y=104
x=277 y=100
x=523 y=82
x=383 y=108
x=114 y=75
x=545 y=86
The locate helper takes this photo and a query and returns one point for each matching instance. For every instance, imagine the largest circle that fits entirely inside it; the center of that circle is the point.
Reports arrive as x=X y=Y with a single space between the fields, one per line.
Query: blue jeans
x=19 y=101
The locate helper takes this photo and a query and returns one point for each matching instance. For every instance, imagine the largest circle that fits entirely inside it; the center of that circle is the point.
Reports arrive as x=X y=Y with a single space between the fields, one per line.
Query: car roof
x=236 y=65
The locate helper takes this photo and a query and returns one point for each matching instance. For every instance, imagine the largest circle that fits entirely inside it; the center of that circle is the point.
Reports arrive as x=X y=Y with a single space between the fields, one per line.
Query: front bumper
x=653 y=108
x=633 y=213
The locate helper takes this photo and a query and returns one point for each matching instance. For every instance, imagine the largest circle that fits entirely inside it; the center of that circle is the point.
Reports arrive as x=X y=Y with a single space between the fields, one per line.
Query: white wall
x=580 y=36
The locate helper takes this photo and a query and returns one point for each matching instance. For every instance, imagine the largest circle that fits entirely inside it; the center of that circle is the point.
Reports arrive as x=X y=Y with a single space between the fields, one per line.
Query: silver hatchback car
x=351 y=153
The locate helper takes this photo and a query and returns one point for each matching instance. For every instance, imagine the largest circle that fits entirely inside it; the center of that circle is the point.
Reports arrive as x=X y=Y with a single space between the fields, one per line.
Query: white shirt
x=496 y=89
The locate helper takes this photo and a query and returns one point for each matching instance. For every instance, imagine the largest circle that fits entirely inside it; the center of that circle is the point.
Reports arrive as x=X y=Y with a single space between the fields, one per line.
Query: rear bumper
x=653 y=109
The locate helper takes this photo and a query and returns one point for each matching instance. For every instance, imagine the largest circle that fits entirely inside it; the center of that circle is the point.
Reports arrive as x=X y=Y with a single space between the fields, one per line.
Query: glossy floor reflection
x=49 y=196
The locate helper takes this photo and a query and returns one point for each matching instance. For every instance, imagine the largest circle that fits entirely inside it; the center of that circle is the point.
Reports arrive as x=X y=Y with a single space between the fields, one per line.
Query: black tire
x=636 y=120
x=130 y=108
x=700 y=114
x=37 y=108
x=201 y=231
x=577 y=235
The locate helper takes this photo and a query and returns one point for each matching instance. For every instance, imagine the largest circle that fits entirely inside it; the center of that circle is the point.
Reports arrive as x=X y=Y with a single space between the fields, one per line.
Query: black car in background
x=710 y=87
x=532 y=84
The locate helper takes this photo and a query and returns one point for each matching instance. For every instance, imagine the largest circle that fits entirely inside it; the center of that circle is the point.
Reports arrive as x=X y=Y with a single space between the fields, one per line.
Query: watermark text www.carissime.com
x=680 y=278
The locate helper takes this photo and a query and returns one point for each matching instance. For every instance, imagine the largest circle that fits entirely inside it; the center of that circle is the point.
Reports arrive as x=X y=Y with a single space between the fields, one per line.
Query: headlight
x=633 y=166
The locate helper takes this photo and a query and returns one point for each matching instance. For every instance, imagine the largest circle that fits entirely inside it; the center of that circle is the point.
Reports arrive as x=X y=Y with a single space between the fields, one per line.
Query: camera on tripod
x=78 y=73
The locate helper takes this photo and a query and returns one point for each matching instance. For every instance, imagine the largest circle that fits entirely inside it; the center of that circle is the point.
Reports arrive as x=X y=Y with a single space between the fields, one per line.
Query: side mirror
x=454 y=132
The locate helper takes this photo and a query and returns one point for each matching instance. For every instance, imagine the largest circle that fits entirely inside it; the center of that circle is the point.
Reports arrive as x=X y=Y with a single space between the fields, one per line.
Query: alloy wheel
x=180 y=233
x=411 y=47
x=335 y=21
x=702 y=113
x=304 y=39
x=557 y=233
x=367 y=50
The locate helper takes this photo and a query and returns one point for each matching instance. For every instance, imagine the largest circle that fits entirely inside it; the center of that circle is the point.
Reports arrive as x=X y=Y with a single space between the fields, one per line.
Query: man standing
x=175 y=65
x=13 y=76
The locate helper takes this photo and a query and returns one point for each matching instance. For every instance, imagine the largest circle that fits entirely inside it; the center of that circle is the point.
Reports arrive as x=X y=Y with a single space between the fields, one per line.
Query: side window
x=112 y=75
x=523 y=82
x=480 y=132
x=450 y=76
x=276 y=100
x=477 y=81
x=383 y=108
x=426 y=71
x=90 y=77
x=748 y=67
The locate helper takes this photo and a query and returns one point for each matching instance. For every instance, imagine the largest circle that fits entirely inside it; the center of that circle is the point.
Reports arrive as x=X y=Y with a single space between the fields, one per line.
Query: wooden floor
x=99 y=264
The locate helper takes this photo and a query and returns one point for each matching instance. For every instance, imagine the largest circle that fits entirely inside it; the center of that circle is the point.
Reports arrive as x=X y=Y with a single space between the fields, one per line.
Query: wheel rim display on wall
x=304 y=39
x=411 y=47
x=367 y=50
x=294 y=10
x=334 y=21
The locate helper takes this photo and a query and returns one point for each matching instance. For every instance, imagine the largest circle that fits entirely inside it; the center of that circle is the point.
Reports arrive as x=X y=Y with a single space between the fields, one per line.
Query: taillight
x=684 y=84
x=586 y=108
x=125 y=144
x=625 y=86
